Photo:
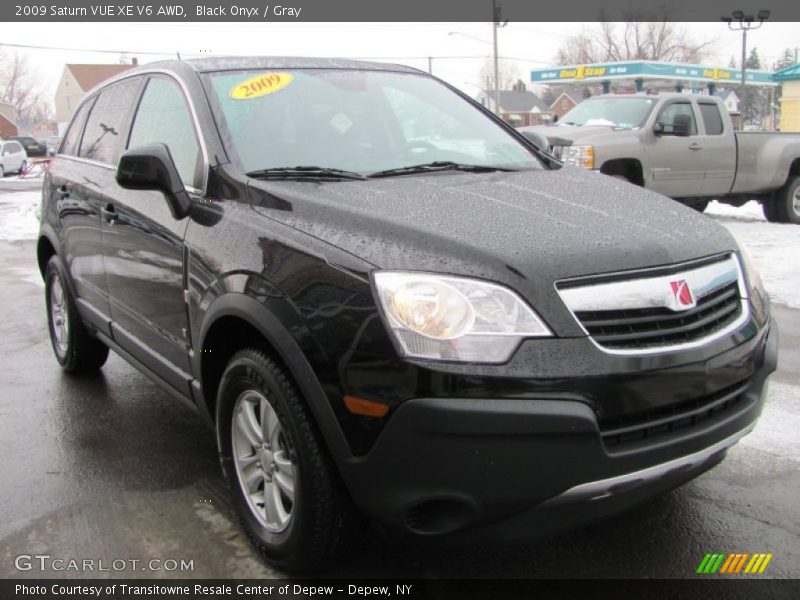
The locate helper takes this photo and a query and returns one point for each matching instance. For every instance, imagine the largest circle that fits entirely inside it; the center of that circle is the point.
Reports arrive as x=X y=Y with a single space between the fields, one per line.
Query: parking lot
x=112 y=467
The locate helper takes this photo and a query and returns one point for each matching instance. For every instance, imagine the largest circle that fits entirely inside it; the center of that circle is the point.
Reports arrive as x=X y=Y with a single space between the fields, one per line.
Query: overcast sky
x=530 y=44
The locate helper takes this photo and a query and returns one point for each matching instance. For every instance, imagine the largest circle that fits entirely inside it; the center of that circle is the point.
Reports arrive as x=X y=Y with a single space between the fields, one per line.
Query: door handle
x=695 y=146
x=109 y=213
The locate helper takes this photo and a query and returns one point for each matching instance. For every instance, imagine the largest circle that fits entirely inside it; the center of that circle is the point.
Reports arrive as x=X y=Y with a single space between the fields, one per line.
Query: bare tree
x=19 y=86
x=507 y=71
x=642 y=36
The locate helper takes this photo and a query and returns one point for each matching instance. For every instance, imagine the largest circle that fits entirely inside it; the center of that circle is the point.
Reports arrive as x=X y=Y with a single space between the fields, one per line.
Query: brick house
x=519 y=107
x=8 y=120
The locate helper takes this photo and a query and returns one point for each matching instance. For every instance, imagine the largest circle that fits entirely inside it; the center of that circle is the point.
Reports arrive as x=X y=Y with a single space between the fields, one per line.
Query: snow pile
x=773 y=246
x=19 y=215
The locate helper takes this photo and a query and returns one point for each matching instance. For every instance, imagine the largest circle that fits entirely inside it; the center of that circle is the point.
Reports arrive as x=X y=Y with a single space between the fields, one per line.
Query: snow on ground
x=775 y=247
x=18 y=214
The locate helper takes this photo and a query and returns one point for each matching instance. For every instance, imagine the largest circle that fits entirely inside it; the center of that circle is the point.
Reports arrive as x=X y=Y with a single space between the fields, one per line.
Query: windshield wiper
x=439 y=165
x=305 y=171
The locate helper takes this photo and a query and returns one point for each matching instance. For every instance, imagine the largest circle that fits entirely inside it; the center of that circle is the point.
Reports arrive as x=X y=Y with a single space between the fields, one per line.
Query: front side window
x=103 y=137
x=667 y=117
x=711 y=118
x=72 y=139
x=163 y=117
x=362 y=121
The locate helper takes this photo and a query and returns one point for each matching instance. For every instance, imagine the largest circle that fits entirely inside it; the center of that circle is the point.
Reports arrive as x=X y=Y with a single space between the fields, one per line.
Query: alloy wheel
x=261 y=458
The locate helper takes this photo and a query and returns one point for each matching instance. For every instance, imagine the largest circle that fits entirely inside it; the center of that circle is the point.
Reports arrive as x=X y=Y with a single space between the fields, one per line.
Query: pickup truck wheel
x=770 y=210
x=788 y=202
x=76 y=351
x=285 y=488
x=699 y=204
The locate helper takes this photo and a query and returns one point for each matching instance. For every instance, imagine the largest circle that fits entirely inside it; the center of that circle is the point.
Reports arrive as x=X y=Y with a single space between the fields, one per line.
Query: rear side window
x=103 y=137
x=72 y=139
x=163 y=117
x=13 y=147
x=711 y=118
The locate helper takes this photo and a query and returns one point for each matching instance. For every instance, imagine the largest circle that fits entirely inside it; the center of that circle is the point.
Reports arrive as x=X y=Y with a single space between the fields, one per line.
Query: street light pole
x=744 y=23
x=496 y=62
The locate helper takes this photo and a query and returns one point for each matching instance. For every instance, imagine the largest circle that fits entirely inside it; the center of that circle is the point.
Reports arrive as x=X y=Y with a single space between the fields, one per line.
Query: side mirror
x=658 y=129
x=537 y=139
x=151 y=167
x=682 y=125
x=555 y=118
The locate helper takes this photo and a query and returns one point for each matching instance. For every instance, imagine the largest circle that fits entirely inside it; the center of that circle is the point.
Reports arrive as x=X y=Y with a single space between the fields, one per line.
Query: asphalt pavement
x=111 y=467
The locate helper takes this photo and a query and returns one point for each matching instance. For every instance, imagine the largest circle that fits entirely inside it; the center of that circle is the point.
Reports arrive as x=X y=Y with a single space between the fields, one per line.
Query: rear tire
x=75 y=349
x=22 y=167
x=770 y=210
x=285 y=487
x=787 y=202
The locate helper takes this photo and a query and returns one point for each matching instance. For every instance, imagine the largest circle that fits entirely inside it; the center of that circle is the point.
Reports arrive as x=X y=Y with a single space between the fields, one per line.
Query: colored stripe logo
x=734 y=563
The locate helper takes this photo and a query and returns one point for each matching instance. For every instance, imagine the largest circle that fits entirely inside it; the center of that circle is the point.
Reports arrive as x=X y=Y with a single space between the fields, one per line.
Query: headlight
x=759 y=299
x=577 y=156
x=454 y=318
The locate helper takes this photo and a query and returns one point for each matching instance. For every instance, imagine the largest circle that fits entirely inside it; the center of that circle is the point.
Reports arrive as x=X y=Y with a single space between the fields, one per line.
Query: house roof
x=89 y=76
x=790 y=73
x=725 y=93
x=517 y=102
x=553 y=103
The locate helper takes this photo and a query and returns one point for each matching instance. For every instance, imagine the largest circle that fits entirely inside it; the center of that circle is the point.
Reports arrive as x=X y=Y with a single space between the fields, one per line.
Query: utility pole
x=495 y=25
x=744 y=23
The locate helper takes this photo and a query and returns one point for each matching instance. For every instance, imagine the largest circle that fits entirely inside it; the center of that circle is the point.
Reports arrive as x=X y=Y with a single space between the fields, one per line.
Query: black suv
x=391 y=305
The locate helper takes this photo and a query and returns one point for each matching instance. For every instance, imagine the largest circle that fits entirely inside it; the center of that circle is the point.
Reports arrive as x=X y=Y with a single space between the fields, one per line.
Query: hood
x=566 y=135
x=526 y=229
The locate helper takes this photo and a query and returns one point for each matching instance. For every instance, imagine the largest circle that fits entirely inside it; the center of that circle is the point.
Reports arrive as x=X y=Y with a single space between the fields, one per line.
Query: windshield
x=358 y=121
x=629 y=113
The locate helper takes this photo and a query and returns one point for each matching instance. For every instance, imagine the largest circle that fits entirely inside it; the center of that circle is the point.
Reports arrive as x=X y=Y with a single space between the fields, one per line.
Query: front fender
x=288 y=336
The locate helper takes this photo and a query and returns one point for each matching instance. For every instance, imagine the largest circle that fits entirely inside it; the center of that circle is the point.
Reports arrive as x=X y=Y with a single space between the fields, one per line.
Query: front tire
x=76 y=351
x=787 y=201
x=285 y=488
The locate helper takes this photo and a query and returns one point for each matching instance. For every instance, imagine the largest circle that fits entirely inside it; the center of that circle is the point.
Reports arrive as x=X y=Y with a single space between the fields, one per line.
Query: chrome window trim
x=185 y=90
x=590 y=294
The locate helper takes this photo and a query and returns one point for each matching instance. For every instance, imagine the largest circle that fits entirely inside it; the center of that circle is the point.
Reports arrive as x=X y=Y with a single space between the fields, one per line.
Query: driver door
x=676 y=168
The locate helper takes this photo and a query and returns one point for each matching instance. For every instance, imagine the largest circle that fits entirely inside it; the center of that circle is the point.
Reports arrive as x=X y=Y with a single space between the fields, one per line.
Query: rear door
x=719 y=150
x=73 y=184
x=144 y=250
x=676 y=163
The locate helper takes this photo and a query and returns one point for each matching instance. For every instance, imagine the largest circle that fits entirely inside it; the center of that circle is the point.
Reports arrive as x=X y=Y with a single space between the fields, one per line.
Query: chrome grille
x=631 y=314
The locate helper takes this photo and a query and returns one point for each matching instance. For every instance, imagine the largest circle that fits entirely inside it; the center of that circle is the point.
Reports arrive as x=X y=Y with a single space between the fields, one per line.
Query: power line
x=172 y=52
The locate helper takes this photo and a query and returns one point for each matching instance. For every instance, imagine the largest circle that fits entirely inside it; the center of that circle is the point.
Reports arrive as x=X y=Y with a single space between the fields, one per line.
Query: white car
x=13 y=158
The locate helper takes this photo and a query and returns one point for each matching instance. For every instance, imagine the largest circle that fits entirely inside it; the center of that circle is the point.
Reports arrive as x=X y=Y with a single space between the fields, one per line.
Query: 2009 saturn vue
x=393 y=307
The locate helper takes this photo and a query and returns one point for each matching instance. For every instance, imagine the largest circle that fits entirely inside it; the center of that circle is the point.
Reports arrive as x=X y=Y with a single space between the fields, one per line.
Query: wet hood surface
x=541 y=225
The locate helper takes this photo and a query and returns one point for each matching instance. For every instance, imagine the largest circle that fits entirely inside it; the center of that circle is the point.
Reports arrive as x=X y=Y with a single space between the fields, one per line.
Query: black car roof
x=223 y=63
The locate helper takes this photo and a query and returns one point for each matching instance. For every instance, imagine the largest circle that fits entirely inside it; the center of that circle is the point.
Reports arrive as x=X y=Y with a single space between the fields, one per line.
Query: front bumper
x=512 y=469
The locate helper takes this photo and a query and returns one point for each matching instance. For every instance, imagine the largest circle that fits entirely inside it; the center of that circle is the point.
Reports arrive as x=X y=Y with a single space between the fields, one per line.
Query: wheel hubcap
x=260 y=455
x=796 y=201
x=58 y=311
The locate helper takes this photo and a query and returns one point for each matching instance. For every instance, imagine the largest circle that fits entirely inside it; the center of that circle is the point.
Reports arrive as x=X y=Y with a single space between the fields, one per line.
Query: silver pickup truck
x=683 y=146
